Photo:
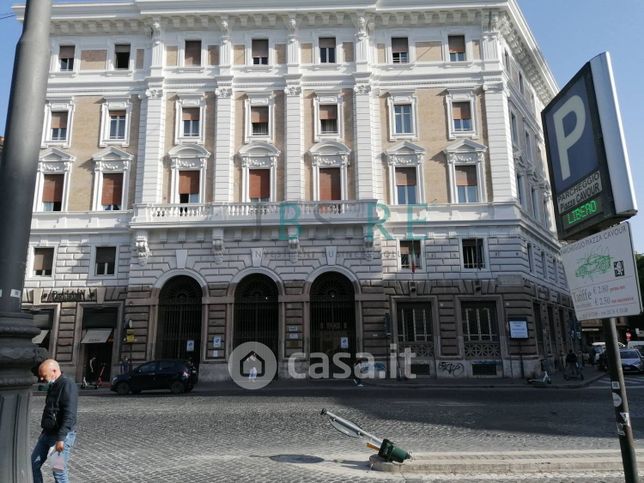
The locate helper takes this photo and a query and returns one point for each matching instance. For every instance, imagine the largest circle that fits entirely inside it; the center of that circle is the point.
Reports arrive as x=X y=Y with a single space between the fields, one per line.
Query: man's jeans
x=39 y=455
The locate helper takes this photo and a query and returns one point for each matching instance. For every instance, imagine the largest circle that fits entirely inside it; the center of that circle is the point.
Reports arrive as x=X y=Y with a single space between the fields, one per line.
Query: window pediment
x=259 y=154
x=329 y=154
x=465 y=152
x=405 y=154
x=112 y=159
x=188 y=156
x=54 y=160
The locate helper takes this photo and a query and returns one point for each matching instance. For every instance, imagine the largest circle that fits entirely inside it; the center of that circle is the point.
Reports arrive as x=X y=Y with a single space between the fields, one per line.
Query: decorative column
x=499 y=143
x=149 y=173
x=294 y=161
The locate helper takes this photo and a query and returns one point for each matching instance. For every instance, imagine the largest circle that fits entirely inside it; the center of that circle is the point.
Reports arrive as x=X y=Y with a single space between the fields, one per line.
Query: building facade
x=318 y=179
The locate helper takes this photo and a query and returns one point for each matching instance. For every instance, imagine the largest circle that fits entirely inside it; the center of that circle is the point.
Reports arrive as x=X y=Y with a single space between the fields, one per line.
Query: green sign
x=582 y=212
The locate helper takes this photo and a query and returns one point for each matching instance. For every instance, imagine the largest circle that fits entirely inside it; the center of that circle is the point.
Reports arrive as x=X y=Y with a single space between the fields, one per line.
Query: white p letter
x=564 y=143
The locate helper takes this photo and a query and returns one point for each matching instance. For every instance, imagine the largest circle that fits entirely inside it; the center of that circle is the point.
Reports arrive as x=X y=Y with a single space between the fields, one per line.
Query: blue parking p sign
x=587 y=154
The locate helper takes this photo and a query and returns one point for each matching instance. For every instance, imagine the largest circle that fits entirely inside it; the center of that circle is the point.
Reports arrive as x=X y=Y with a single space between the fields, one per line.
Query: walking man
x=58 y=421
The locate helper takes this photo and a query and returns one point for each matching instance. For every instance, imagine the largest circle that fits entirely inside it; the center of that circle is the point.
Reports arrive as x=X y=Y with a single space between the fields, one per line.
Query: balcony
x=246 y=214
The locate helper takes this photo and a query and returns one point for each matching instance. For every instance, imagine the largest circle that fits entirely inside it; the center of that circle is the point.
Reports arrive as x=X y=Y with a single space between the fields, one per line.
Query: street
x=223 y=433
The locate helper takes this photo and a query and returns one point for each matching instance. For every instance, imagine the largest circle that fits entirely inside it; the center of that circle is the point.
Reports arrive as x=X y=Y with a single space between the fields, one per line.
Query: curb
x=512 y=462
x=493 y=385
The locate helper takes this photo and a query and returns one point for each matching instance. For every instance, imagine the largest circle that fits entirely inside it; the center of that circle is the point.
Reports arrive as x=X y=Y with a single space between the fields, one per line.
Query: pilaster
x=149 y=174
x=500 y=149
x=223 y=176
x=363 y=145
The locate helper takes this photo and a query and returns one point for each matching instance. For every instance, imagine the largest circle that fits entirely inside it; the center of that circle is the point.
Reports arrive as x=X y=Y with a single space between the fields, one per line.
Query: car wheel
x=122 y=388
x=177 y=387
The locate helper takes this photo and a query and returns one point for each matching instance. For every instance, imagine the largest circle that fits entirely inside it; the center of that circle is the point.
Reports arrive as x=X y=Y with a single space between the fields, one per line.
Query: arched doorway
x=256 y=314
x=333 y=315
x=179 y=322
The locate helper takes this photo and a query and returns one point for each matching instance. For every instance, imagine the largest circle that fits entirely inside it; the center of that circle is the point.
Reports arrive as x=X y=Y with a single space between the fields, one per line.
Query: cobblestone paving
x=278 y=434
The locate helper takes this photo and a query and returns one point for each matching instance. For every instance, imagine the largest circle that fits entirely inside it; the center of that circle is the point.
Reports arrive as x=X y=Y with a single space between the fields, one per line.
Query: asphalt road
x=223 y=433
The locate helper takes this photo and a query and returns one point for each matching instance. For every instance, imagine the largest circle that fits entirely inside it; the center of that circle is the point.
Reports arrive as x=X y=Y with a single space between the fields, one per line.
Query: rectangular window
x=43 y=261
x=260 y=51
x=520 y=193
x=193 y=53
x=402 y=119
x=410 y=254
x=66 y=57
x=190 y=117
x=59 y=126
x=259 y=188
x=462 y=116
x=52 y=192
x=400 y=50
x=544 y=265
x=330 y=184
x=466 y=184
x=112 y=192
x=188 y=186
x=473 y=253
x=414 y=322
x=513 y=129
x=105 y=260
x=327 y=50
x=329 y=119
x=530 y=259
x=122 y=56
x=528 y=146
x=259 y=120
x=479 y=322
x=117 y=124
x=535 y=203
x=521 y=87
x=406 y=186
x=456 y=48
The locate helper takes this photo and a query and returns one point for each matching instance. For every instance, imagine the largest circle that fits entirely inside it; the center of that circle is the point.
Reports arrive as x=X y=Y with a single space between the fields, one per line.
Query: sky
x=569 y=33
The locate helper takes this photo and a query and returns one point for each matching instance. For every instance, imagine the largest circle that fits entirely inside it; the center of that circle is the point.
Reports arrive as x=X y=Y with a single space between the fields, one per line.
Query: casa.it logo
x=252 y=365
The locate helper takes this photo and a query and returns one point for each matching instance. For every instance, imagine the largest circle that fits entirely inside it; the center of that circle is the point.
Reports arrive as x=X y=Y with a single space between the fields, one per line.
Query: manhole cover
x=297 y=458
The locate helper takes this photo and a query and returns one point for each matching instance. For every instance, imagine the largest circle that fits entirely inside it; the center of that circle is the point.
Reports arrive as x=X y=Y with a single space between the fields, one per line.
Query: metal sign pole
x=620 y=402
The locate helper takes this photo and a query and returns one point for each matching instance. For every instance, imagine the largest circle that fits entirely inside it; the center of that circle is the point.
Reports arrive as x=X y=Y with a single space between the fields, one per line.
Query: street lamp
x=18 y=167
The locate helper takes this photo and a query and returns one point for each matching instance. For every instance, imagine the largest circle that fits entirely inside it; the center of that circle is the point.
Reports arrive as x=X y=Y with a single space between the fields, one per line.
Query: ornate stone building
x=316 y=178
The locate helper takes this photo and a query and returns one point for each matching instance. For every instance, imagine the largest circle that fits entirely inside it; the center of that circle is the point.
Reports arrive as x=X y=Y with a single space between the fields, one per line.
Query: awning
x=96 y=336
x=40 y=337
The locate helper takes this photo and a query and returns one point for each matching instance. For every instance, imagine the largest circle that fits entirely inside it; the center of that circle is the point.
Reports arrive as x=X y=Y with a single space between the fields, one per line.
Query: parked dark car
x=178 y=376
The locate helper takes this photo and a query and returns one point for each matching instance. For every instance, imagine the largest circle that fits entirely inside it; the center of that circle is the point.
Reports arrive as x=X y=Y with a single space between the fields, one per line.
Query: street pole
x=624 y=429
x=18 y=167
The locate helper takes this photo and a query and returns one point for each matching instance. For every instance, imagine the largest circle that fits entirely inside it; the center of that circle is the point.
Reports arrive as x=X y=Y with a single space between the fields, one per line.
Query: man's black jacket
x=62 y=398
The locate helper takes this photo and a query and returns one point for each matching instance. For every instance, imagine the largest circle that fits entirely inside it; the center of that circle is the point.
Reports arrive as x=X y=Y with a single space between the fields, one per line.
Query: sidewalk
x=510 y=462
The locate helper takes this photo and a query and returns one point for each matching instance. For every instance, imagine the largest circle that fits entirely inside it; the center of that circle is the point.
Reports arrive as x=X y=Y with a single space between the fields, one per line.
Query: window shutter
x=405 y=176
x=66 y=52
x=466 y=176
x=190 y=113
x=461 y=110
x=259 y=114
x=260 y=48
x=122 y=48
x=53 y=188
x=259 y=184
x=399 y=44
x=330 y=184
x=328 y=112
x=59 y=120
x=117 y=113
x=43 y=258
x=327 y=42
x=112 y=189
x=188 y=182
x=105 y=254
x=193 y=52
x=456 y=43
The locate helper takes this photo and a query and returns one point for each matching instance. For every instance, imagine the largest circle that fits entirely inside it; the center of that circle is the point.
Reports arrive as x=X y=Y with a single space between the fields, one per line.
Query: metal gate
x=179 y=328
x=333 y=316
x=256 y=317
